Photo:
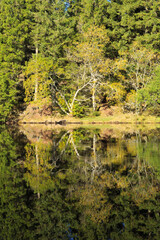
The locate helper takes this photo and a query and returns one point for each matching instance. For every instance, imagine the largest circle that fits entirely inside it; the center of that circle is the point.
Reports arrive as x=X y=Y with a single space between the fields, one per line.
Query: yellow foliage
x=91 y=49
x=37 y=70
x=120 y=64
x=131 y=97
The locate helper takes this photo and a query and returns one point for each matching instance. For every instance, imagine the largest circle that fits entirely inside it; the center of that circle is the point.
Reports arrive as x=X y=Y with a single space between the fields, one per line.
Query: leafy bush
x=78 y=110
x=112 y=94
x=130 y=102
x=96 y=113
x=149 y=97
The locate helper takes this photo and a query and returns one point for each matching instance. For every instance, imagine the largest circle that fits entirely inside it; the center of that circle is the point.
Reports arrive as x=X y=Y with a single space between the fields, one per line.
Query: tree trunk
x=36 y=77
x=37 y=163
x=93 y=96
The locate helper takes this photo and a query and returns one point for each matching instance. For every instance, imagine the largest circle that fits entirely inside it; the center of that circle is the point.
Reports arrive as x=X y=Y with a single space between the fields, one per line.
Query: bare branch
x=62 y=95
x=62 y=108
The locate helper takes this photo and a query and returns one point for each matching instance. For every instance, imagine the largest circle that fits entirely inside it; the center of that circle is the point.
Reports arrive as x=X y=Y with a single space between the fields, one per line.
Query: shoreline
x=116 y=118
x=64 y=122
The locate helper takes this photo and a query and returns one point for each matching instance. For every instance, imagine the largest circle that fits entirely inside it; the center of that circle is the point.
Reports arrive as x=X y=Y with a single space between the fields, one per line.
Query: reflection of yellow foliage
x=115 y=153
x=38 y=167
x=132 y=147
x=143 y=191
x=110 y=181
x=122 y=182
x=100 y=214
x=62 y=143
x=95 y=203
x=61 y=175
x=40 y=182
x=107 y=180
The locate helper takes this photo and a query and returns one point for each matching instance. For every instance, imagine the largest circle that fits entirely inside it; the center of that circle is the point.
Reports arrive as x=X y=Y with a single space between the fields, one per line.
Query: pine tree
x=131 y=20
x=14 y=39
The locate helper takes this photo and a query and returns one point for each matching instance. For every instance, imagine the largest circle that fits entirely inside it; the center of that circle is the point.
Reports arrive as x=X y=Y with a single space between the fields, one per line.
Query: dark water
x=79 y=184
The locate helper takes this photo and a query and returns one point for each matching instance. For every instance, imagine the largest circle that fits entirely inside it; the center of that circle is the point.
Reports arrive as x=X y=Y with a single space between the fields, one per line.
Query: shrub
x=78 y=110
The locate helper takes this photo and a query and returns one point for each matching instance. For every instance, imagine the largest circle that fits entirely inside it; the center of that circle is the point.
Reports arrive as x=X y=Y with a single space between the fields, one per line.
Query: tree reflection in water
x=81 y=184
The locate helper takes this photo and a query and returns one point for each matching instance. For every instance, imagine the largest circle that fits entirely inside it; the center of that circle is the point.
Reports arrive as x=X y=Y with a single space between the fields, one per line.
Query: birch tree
x=37 y=82
x=140 y=65
x=66 y=93
x=90 y=53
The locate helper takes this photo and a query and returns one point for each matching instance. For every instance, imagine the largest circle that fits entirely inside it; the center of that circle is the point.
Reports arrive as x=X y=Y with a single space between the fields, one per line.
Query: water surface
x=79 y=183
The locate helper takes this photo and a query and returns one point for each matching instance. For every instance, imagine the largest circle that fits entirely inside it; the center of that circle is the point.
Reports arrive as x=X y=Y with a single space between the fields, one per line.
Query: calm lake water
x=100 y=183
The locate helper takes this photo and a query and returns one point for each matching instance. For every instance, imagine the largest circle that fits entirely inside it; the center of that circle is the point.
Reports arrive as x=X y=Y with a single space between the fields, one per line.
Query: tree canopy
x=52 y=46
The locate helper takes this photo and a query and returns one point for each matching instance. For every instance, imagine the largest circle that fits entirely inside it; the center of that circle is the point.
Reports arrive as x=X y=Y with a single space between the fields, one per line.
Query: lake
x=99 y=182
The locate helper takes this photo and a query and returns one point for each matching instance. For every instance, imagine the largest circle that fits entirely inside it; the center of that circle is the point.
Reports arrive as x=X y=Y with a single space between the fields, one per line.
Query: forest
x=75 y=56
x=91 y=180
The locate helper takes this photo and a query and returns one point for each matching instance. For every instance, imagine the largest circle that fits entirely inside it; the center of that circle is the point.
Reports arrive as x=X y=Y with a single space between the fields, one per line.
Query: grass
x=122 y=118
x=117 y=117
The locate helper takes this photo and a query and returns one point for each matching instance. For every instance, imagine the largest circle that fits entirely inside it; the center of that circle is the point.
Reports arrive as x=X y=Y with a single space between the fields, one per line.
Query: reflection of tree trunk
x=93 y=95
x=94 y=157
x=64 y=149
x=138 y=157
x=85 y=168
x=62 y=138
x=71 y=140
x=37 y=163
x=74 y=146
x=94 y=151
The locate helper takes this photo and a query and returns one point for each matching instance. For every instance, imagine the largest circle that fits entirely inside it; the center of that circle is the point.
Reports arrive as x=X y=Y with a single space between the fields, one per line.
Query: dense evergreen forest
x=79 y=55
